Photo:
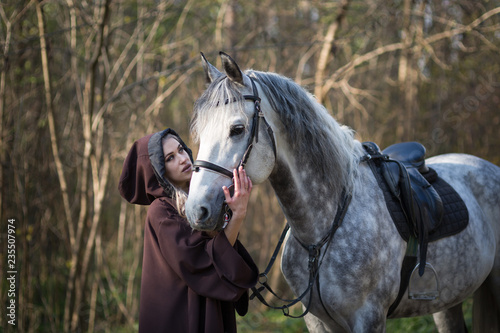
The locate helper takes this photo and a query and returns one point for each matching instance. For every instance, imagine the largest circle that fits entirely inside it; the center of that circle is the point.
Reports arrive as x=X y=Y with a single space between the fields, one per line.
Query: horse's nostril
x=203 y=216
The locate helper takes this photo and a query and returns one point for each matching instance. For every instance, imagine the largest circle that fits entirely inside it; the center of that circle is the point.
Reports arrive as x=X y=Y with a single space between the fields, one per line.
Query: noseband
x=254 y=136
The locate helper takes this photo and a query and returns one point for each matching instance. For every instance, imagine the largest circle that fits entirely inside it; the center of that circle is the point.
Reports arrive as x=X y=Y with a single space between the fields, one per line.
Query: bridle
x=254 y=137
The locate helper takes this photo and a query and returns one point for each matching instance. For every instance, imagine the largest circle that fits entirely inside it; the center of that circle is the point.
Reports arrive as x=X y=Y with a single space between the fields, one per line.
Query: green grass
x=270 y=321
x=273 y=321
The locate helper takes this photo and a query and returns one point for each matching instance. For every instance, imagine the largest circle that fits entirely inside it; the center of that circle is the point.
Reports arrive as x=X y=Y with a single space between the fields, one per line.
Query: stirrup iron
x=425 y=287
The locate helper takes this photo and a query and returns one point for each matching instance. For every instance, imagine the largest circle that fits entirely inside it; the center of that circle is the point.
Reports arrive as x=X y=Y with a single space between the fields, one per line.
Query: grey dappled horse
x=312 y=162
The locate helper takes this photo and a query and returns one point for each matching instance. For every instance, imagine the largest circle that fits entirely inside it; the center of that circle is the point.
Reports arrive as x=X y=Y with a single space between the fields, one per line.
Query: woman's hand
x=242 y=188
x=237 y=203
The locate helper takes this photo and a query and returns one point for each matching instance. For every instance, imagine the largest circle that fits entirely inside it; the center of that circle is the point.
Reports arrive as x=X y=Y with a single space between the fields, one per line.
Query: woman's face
x=177 y=163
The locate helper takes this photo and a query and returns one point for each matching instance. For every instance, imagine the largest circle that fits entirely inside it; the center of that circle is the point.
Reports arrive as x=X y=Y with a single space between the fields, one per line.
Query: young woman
x=192 y=281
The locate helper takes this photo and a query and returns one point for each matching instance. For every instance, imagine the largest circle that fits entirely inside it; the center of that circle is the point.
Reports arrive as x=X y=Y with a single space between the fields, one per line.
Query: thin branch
x=169 y=91
x=303 y=61
x=326 y=50
x=345 y=87
x=485 y=40
x=463 y=29
x=75 y=283
x=347 y=68
x=52 y=126
x=74 y=59
x=114 y=290
x=344 y=70
x=433 y=55
x=182 y=19
x=187 y=65
x=219 y=24
x=142 y=48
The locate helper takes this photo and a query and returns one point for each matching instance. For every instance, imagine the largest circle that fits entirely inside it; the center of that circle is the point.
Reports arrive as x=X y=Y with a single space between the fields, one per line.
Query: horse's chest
x=358 y=256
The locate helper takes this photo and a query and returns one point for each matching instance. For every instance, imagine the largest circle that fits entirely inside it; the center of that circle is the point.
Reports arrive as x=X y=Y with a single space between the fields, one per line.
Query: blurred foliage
x=117 y=70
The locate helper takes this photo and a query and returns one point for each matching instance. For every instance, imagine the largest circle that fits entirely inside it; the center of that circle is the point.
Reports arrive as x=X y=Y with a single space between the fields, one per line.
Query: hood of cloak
x=143 y=175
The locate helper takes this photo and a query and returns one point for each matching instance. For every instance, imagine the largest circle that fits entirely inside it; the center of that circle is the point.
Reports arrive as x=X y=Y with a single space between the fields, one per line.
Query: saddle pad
x=455 y=217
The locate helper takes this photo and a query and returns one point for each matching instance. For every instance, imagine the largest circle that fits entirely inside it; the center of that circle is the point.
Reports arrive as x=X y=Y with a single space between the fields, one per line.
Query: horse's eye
x=236 y=130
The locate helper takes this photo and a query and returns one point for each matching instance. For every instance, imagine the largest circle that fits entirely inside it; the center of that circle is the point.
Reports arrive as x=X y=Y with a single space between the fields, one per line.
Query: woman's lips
x=187 y=168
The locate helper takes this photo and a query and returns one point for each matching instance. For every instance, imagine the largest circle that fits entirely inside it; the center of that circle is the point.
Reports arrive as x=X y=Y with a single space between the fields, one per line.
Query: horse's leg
x=486 y=305
x=450 y=320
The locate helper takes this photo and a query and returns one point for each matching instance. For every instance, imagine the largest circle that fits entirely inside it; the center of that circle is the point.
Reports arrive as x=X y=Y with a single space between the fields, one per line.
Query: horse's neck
x=308 y=200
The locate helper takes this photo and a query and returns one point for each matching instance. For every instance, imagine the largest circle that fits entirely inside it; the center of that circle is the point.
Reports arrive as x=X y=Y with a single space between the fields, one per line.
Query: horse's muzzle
x=205 y=216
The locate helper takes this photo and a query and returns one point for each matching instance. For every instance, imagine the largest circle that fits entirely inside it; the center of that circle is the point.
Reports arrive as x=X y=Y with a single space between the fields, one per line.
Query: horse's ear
x=232 y=70
x=211 y=73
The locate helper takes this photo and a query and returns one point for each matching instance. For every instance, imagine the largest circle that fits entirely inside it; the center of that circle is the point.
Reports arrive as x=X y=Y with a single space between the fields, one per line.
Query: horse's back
x=475 y=179
x=466 y=259
x=478 y=182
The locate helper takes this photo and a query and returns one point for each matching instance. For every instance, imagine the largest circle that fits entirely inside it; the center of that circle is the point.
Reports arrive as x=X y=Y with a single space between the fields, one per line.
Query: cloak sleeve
x=211 y=267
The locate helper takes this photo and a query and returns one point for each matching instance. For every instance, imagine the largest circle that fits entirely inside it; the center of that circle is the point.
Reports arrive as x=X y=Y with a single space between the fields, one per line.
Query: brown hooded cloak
x=191 y=282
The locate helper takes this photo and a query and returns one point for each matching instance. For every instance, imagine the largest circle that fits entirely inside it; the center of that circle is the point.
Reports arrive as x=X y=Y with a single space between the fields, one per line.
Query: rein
x=254 y=136
x=314 y=263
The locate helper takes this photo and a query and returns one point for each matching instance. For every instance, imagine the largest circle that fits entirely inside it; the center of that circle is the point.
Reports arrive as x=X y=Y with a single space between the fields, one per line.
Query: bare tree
x=80 y=81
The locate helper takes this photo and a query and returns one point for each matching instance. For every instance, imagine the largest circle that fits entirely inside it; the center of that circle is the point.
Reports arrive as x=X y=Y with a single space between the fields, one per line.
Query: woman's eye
x=236 y=130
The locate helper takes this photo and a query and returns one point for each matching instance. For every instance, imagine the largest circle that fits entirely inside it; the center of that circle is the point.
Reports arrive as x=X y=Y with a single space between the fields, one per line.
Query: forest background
x=81 y=80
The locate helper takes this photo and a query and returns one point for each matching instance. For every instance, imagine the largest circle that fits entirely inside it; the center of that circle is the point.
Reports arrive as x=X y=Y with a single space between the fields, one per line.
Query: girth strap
x=409 y=263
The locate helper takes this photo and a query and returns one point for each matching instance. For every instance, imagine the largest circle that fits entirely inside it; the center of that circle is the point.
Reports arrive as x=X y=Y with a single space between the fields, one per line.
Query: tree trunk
x=326 y=51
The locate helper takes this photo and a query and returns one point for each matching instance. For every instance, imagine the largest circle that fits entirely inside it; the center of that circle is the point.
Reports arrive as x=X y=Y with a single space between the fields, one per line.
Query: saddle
x=423 y=206
x=415 y=191
x=420 y=200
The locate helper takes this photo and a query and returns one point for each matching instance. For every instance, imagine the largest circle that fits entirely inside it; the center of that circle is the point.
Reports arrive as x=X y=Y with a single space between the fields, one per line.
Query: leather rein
x=314 y=263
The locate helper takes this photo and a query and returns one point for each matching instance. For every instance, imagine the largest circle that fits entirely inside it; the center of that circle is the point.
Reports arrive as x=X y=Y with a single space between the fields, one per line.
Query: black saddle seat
x=411 y=154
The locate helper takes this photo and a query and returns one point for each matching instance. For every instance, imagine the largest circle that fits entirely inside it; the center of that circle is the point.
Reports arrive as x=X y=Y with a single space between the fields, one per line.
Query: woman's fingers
x=240 y=179
x=243 y=179
x=242 y=185
x=226 y=193
x=236 y=180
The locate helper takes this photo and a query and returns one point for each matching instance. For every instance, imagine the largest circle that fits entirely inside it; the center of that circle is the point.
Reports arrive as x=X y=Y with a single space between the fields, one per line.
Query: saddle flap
x=429 y=203
x=417 y=194
x=396 y=177
x=392 y=176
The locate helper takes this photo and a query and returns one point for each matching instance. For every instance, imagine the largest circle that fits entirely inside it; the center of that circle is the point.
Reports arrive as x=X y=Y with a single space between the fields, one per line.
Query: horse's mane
x=309 y=127
x=217 y=95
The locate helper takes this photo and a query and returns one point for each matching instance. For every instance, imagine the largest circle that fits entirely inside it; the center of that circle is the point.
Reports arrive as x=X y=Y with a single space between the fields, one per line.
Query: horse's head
x=231 y=130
